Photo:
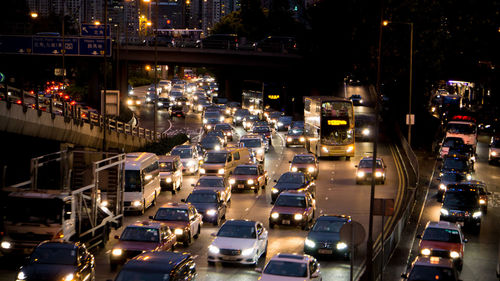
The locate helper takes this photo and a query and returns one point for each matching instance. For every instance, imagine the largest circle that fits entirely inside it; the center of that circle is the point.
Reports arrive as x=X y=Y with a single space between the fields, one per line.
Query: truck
x=253 y=101
x=72 y=195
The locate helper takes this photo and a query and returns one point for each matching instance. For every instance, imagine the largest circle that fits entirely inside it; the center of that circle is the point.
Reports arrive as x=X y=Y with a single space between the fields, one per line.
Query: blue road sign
x=89 y=29
x=94 y=47
x=46 y=45
x=11 y=44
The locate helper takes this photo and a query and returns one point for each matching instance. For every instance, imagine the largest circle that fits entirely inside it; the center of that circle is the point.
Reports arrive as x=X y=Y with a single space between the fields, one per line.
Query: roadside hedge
x=164 y=145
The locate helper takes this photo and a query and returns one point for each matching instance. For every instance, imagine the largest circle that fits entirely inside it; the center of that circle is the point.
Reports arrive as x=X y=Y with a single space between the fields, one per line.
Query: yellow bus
x=329 y=126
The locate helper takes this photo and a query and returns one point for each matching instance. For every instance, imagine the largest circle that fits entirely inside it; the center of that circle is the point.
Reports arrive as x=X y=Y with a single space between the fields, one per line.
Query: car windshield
x=452 y=177
x=216 y=133
x=441 y=235
x=286 y=268
x=261 y=129
x=210 y=140
x=303 y=159
x=295 y=132
x=183 y=153
x=290 y=201
x=141 y=234
x=461 y=199
x=251 y=142
x=53 y=255
x=222 y=127
x=197 y=197
x=132 y=181
x=245 y=170
x=242 y=112
x=368 y=164
x=212 y=115
x=328 y=226
x=285 y=119
x=292 y=178
x=454 y=164
x=166 y=166
x=450 y=142
x=461 y=128
x=171 y=214
x=215 y=158
x=139 y=274
x=237 y=231
x=210 y=182
x=419 y=273
x=275 y=115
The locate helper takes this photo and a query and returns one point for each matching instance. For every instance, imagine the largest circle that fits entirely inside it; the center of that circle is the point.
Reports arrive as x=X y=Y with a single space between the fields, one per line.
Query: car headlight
x=221 y=171
x=202 y=170
x=280 y=124
x=361 y=174
x=302 y=139
x=309 y=243
x=444 y=212
x=21 y=276
x=160 y=104
x=250 y=181
x=442 y=186
x=228 y=111
x=6 y=245
x=341 y=246
x=138 y=102
x=493 y=153
x=469 y=177
x=232 y=181
x=378 y=174
x=137 y=203
x=350 y=148
x=310 y=169
x=425 y=252
x=275 y=215
x=238 y=118
x=324 y=148
x=129 y=102
x=117 y=252
x=247 y=252
x=104 y=203
x=211 y=212
x=288 y=139
x=169 y=180
x=454 y=255
x=274 y=190
x=221 y=119
x=482 y=201
x=217 y=147
x=477 y=214
x=260 y=151
x=148 y=99
x=178 y=231
x=69 y=277
x=190 y=163
x=366 y=132
x=205 y=121
x=294 y=169
x=213 y=249
x=298 y=217
x=200 y=108
x=179 y=103
x=209 y=127
x=228 y=134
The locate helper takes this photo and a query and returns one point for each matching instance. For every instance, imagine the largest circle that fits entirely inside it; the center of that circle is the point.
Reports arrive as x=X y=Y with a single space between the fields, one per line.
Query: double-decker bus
x=329 y=126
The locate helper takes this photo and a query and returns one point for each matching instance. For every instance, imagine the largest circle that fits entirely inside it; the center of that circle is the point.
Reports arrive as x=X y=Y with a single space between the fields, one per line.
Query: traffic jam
x=222 y=162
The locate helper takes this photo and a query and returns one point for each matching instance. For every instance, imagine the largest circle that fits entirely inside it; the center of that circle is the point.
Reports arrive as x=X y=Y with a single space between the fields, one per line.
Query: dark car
x=324 y=237
x=219 y=41
x=274 y=116
x=277 y=44
x=263 y=131
x=211 y=143
x=461 y=205
x=356 y=99
x=209 y=203
x=159 y=266
x=54 y=260
x=163 y=103
x=293 y=181
x=448 y=179
x=295 y=136
x=239 y=115
x=226 y=129
x=297 y=124
x=364 y=127
x=457 y=164
x=283 y=123
x=218 y=133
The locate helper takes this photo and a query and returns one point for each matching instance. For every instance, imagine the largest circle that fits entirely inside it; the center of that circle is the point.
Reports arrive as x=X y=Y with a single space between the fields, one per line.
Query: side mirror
x=466 y=240
x=438 y=178
x=117 y=237
x=151 y=217
x=183 y=200
x=258 y=269
x=419 y=236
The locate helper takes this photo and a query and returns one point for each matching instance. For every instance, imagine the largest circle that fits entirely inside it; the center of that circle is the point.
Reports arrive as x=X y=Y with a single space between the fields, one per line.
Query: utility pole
x=155 y=32
x=105 y=72
x=63 y=51
x=411 y=81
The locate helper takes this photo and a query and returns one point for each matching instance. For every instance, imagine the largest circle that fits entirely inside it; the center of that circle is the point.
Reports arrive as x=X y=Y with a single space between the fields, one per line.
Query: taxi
x=432 y=268
x=306 y=163
x=443 y=239
x=182 y=218
x=170 y=172
x=293 y=208
x=248 y=177
x=364 y=170
x=295 y=136
x=214 y=183
x=139 y=237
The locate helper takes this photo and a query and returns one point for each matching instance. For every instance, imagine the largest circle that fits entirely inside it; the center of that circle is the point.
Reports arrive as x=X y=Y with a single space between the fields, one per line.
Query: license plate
x=323 y=251
x=241 y=186
x=285 y=221
x=228 y=258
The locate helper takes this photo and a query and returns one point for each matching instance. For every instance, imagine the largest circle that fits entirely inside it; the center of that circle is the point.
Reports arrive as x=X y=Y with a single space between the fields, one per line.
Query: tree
x=230 y=24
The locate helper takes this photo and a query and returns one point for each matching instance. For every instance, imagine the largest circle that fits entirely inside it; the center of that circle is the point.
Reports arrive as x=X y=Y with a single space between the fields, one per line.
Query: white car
x=189 y=157
x=289 y=267
x=238 y=241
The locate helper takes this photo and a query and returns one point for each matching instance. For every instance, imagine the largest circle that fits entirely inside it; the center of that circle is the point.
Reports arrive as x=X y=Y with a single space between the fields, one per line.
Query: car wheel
x=271 y=225
x=256 y=190
x=217 y=221
x=153 y=203
x=197 y=233
x=173 y=190
x=189 y=240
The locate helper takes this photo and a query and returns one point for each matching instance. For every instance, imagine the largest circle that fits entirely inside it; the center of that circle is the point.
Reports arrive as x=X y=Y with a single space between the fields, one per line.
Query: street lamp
x=97 y=22
x=409 y=119
x=34 y=15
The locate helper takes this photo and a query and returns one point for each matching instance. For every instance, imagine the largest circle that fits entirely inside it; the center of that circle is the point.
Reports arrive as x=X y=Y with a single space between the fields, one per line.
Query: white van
x=465 y=130
x=142 y=181
x=223 y=162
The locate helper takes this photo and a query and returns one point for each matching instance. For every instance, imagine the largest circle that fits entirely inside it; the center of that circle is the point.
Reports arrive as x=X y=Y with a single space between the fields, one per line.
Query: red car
x=139 y=237
x=184 y=219
x=293 y=208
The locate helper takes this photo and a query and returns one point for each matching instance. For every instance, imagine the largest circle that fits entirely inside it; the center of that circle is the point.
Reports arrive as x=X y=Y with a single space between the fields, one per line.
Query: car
x=57 y=260
x=273 y=117
x=461 y=205
x=238 y=241
x=447 y=179
x=211 y=143
x=239 y=115
x=324 y=237
x=494 y=150
x=190 y=158
x=134 y=101
x=447 y=143
x=219 y=134
x=183 y=219
x=163 y=103
x=139 y=237
x=443 y=239
x=219 y=41
x=248 y=177
x=282 y=44
x=364 y=127
x=432 y=268
x=364 y=170
x=154 y=265
x=223 y=162
x=483 y=193
x=297 y=124
x=217 y=183
x=176 y=109
x=248 y=121
x=356 y=99
x=264 y=131
x=457 y=164
x=176 y=93
x=256 y=145
x=283 y=123
x=170 y=172
x=306 y=163
x=210 y=203
x=293 y=208
x=466 y=151
x=288 y=267
x=226 y=129
x=210 y=118
x=295 y=136
x=293 y=181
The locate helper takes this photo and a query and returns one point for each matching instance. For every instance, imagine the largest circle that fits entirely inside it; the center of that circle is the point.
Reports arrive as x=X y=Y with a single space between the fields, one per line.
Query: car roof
x=433 y=261
x=204 y=191
x=370 y=158
x=442 y=224
x=301 y=173
x=183 y=146
x=58 y=244
x=293 y=193
x=292 y=257
x=211 y=177
x=163 y=158
x=240 y=222
x=148 y=224
x=305 y=154
x=326 y=217
x=175 y=205
x=162 y=261
x=248 y=165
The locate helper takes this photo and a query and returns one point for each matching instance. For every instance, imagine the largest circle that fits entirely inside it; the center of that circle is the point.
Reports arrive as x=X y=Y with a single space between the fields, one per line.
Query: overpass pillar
x=170 y=72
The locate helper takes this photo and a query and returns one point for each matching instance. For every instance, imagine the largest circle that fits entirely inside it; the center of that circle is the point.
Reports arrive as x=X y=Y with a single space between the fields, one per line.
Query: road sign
x=52 y=45
x=10 y=44
x=383 y=207
x=352 y=233
x=94 y=46
x=90 y=29
x=2 y=77
x=410 y=119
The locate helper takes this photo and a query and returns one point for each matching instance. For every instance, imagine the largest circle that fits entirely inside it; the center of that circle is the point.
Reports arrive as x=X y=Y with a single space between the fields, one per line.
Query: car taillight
x=18 y=102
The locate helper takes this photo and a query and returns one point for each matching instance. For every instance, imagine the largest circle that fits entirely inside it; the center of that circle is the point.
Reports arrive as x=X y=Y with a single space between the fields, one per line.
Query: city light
x=34 y=15
x=385 y=23
x=148 y=67
x=148 y=23
x=97 y=22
